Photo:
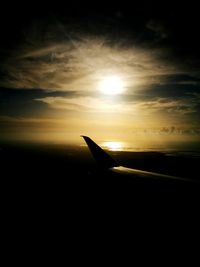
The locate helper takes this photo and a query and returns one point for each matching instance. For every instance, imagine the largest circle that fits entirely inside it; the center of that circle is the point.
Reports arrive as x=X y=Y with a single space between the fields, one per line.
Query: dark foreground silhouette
x=53 y=194
x=49 y=172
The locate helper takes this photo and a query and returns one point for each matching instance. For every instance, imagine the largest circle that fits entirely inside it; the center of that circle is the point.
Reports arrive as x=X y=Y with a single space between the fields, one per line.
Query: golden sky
x=64 y=82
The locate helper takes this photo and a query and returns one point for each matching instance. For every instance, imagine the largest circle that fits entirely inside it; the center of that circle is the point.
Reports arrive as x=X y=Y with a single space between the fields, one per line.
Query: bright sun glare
x=113 y=146
x=111 y=85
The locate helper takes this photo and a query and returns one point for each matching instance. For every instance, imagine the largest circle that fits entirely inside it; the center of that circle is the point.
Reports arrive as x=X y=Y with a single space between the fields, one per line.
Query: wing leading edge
x=107 y=162
x=102 y=158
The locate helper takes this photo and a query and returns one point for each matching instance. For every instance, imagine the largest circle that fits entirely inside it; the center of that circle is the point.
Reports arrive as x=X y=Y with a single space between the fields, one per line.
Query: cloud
x=158 y=29
x=22 y=102
x=168 y=130
x=59 y=65
x=83 y=104
x=70 y=60
x=182 y=106
x=166 y=106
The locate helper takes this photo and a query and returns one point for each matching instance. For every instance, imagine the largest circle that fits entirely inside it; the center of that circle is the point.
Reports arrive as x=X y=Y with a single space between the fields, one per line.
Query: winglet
x=102 y=158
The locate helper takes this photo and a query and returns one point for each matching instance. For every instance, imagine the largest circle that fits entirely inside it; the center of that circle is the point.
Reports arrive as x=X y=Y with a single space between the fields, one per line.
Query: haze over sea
x=173 y=147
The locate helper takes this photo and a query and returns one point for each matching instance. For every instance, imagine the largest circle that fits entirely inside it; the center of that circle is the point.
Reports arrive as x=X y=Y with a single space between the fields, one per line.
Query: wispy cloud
x=66 y=65
x=182 y=106
x=74 y=61
x=167 y=131
x=95 y=104
x=83 y=104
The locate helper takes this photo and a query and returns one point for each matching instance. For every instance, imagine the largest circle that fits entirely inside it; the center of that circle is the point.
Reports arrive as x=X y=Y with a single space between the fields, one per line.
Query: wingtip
x=99 y=154
x=84 y=136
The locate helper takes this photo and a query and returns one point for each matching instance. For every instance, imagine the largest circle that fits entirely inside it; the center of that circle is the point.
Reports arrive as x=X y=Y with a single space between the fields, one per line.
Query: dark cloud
x=158 y=30
x=182 y=79
x=21 y=103
x=165 y=92
x=174 y=90
x=168 y=30
x=169 y=130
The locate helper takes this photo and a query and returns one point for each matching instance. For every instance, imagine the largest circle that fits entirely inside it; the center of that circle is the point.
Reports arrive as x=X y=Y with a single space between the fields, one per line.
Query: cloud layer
x=56 y=67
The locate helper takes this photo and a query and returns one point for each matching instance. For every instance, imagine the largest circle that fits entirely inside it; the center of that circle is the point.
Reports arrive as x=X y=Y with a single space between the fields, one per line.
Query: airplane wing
x=106 y=162
x=102 y=158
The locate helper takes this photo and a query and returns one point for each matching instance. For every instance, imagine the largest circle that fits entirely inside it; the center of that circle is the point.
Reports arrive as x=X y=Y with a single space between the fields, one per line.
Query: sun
x=111 y=85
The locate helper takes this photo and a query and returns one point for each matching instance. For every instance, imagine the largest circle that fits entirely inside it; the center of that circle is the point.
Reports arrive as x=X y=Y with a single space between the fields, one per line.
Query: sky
x=113 y=71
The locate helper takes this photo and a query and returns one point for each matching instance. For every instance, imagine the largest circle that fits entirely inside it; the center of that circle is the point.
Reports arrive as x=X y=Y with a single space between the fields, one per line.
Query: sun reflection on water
x=113 y=146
